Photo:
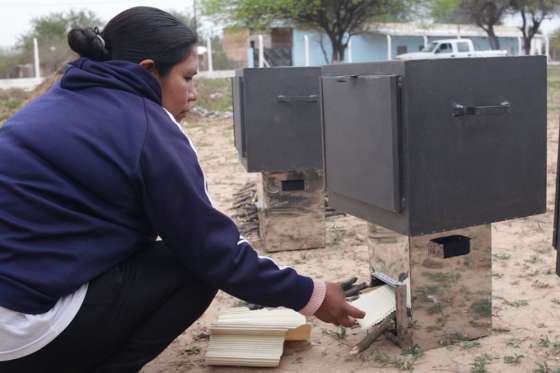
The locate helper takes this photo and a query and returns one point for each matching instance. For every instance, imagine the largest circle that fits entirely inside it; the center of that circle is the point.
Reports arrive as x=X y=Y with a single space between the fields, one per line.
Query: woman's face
x=177 y=88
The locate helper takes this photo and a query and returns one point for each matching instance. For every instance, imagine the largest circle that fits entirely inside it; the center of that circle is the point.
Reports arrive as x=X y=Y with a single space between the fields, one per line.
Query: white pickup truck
x=450 y=48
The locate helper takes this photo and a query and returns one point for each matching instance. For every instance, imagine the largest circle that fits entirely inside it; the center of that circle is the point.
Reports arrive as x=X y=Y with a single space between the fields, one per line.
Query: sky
x=16 y=15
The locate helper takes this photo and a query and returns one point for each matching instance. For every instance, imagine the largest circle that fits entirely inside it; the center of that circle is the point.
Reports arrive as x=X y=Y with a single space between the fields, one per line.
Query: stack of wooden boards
x=241 y=337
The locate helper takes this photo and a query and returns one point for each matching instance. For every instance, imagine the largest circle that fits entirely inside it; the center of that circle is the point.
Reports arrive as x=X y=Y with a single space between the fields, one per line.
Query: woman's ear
x=149 y=65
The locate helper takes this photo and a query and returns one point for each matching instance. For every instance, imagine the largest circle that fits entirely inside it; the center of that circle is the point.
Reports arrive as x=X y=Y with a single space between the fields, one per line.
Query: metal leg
x=450 y=279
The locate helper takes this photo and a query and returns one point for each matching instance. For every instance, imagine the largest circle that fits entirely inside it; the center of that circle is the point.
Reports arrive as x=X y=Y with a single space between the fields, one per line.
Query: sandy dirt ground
x=526 y=297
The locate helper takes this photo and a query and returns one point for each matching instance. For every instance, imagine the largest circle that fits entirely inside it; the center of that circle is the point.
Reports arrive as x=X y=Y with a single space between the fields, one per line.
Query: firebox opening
x=455 y=245
x=293 y=185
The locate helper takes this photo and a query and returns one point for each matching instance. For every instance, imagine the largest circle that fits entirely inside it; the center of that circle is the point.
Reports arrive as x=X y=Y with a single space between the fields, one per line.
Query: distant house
x=381 y=42
x=20 y=71
x=236 y=42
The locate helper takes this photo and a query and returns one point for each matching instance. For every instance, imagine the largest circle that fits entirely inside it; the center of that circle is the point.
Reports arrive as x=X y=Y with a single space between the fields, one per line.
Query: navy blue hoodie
x=95 y=169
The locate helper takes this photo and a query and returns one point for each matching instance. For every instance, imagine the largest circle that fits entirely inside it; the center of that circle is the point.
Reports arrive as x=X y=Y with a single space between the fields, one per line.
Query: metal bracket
x=388 y=280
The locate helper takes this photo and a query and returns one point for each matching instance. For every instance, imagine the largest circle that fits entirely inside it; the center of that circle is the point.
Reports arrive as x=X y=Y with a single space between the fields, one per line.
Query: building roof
x=439 y=29
x=429 y=29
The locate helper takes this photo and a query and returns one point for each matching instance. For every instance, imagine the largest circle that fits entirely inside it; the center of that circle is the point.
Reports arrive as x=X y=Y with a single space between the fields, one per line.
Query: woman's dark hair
x=134 y=35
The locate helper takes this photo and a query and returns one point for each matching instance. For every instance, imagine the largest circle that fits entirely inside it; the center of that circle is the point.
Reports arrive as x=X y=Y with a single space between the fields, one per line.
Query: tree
x=8 y=60
x=448 y=11
x=185 y=17
x=51 y=31
x=533 y=13
x=55 y=26
x=486 y=14
x=555 y=45
x=338 y=19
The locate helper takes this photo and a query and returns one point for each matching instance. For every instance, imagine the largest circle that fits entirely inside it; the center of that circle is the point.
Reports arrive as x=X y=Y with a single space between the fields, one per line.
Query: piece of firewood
x=355 y=290
x=387 y=324
x=401 y=317
x=345 y=285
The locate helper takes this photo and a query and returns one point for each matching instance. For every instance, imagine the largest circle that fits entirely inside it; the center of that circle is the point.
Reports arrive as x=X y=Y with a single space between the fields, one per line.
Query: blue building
x=385 y=41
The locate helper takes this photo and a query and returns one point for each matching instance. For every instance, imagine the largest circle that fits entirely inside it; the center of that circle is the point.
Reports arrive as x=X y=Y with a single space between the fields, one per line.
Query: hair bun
x=88 y=43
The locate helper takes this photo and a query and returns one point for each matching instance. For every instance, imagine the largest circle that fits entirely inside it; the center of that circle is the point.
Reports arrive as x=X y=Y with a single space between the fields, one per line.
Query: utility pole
x=37 y=64
x=194 y=18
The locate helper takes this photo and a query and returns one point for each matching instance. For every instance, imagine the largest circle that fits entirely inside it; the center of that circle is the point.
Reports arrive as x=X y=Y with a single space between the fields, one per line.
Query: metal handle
x=310 y=98
x=462 y=110
x=346 y=78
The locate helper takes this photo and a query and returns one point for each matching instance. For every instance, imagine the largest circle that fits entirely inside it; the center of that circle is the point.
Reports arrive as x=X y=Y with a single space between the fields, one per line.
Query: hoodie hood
x=115 y=74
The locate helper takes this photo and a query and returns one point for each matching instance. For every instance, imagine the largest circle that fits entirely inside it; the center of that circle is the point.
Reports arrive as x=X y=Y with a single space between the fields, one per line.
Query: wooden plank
x=378 y=304
x=242 y=318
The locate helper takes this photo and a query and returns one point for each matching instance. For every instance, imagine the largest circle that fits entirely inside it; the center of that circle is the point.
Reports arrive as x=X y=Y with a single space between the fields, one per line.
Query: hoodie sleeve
x=177 y=203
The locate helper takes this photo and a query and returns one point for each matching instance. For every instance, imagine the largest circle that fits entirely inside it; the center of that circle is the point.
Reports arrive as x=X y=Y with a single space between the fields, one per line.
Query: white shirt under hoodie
x=24 y=334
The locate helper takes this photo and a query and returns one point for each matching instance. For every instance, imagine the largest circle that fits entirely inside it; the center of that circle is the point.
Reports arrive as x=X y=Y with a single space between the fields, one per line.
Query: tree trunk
x=527 y=45
x=323 y=50
x=339 y=52
x=494 y=41
x=533 y=30
x=526 y=38
x=338 y=48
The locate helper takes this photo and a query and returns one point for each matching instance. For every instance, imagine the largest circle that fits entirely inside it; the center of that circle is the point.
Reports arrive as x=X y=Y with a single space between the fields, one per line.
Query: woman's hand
x=336 y=310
